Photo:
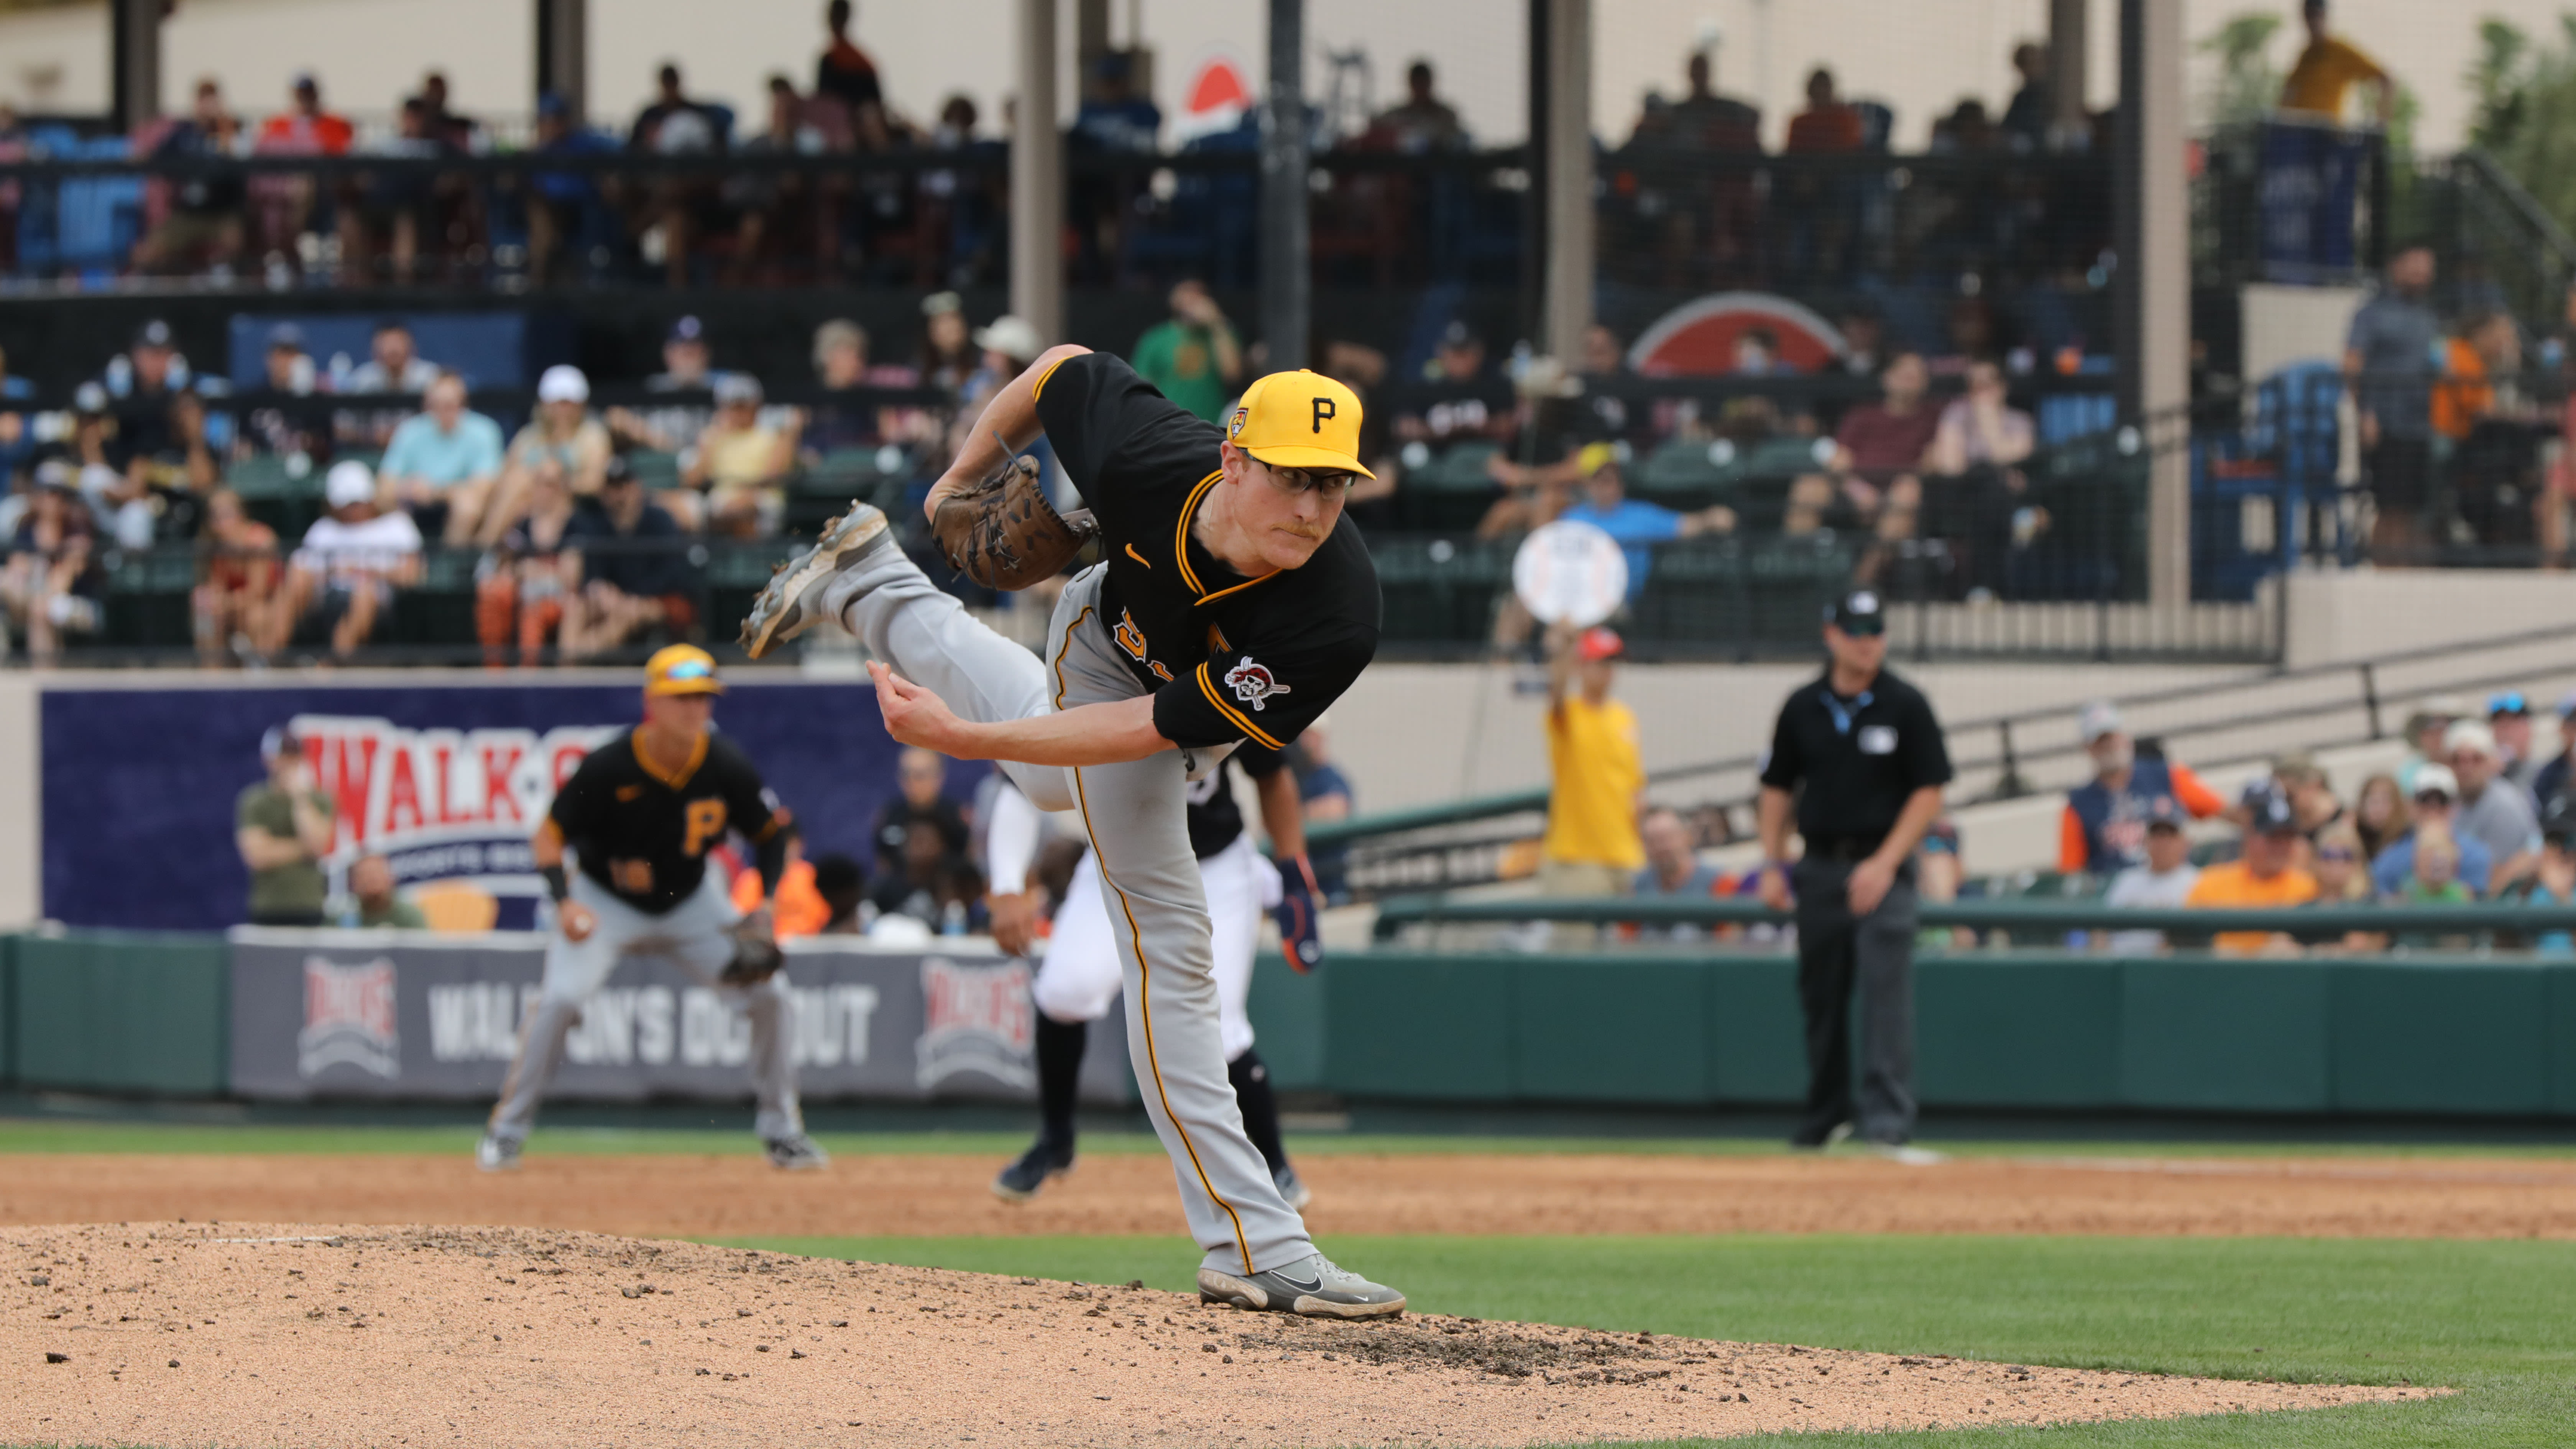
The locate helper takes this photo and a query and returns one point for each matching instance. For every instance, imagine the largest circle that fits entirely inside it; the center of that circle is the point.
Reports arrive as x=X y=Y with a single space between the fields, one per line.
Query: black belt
x=1849 y=849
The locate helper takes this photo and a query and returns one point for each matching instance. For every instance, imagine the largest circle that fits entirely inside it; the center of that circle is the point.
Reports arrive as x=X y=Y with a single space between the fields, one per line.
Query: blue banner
x=448 y=780
x=2310 y=197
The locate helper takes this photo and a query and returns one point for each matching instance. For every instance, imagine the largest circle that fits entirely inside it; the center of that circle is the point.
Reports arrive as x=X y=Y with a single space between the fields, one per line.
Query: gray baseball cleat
x=792 y=602
x=496 y=1154
x=795 y=1154
x=1312 y=1287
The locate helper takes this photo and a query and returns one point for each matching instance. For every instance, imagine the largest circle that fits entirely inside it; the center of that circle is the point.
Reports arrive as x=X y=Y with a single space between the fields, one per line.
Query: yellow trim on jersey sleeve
x=1181 y=531
x=1208 y=688
x=1038 y=389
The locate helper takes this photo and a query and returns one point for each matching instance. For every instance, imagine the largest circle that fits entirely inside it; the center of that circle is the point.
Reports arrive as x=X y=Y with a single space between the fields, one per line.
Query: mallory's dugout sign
x=402 y=1015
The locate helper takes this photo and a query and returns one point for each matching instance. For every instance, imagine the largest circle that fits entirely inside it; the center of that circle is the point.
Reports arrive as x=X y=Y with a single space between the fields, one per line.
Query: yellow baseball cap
x=1299 y=419
x=682 y=669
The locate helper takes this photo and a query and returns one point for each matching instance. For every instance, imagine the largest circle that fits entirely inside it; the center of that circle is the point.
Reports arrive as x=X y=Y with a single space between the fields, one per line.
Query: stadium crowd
x=1691 y=201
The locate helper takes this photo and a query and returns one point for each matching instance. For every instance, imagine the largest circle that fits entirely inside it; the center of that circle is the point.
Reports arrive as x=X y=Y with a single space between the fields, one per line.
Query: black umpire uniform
x=1851 y=762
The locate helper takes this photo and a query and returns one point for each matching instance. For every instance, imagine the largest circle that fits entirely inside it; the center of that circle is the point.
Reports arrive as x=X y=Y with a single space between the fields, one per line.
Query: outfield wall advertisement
x=342 y=1014
x=446 y=779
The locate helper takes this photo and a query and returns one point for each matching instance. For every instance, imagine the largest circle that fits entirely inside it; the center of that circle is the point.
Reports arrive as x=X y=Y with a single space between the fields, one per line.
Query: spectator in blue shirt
x=2437 y=800
x=1673 y=871
x=17 y=436
x=1633 y=524
x=565 y=208
x=444 y=464
x=1324 y=796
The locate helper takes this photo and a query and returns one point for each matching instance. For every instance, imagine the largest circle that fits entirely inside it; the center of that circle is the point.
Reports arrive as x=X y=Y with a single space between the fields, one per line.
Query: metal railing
x=2305 y=923
x=1994 y=757
x=1671 y=218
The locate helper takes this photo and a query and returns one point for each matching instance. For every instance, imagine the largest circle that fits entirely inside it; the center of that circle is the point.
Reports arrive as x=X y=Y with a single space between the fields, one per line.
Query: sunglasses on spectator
x=2337 y=852
x=2431 y=797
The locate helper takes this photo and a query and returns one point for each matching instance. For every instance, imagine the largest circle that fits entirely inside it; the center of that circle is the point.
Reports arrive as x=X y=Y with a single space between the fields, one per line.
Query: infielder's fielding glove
x=1003 y=534
x=756 y=956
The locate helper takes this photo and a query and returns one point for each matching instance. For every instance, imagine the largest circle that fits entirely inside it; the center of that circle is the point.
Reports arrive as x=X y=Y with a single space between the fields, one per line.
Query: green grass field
x=72 y=1134
x=2496 y=1320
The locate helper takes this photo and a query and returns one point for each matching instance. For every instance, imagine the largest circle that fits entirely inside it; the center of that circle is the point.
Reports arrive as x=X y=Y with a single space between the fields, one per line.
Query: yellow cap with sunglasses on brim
x=682 y=669
x=1299 y=419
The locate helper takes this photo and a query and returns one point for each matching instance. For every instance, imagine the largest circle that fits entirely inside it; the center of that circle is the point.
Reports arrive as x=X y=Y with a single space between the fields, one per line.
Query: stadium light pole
x=134 y=59
x=563 y=53
x=2068 y=52
x=1286 y=283
x=1037 y=178
x=2152 y=289
x=1567 y=308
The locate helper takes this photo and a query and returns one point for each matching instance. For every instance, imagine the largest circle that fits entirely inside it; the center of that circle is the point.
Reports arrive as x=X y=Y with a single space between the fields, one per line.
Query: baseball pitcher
x=1232 y=604
x=639 y=814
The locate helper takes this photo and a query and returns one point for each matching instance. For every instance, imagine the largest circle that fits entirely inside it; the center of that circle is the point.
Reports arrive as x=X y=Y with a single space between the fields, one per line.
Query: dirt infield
x=161 y=1333
x=708 y=1196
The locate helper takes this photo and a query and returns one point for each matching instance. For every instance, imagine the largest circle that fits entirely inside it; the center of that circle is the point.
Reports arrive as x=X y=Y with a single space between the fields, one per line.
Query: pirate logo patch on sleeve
x=1253 y=684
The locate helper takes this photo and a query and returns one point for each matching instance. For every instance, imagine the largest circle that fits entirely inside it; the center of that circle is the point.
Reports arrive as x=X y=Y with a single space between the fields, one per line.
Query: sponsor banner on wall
x=384 y=1014
x=447 y=778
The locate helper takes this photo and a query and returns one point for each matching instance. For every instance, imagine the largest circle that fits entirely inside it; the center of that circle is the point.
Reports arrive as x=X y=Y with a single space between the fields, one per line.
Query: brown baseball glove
x=756 y=956
x=1003 y=534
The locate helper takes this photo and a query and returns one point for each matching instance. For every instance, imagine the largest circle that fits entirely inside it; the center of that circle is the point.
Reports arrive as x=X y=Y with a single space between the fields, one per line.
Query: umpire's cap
x=1299 y=419
x=682 y=669
x=1858 y=612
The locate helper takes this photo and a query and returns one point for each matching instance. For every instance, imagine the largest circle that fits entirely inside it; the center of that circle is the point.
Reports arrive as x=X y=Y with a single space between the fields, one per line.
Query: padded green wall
x=105 y=1012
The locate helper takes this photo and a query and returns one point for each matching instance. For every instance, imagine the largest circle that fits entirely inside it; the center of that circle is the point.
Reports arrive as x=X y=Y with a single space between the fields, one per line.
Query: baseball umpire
x=639 y=815
x=1233 y=603
x=1860 y=758
x=1078 y=975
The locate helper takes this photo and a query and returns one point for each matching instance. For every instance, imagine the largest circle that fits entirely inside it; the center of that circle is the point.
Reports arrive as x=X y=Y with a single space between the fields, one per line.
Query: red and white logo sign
x=975 y=1019
x=1218 y=93
x=1253 y=683
x=348 y=1019
x=443 y=803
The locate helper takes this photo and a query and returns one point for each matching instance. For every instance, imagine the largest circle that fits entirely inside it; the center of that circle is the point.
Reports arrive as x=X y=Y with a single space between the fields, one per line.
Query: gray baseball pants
x=1137 y=817
x=691 y=936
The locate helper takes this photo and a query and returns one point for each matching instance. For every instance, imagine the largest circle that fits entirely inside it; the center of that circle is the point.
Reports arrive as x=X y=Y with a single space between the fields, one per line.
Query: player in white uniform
x=1078 y=975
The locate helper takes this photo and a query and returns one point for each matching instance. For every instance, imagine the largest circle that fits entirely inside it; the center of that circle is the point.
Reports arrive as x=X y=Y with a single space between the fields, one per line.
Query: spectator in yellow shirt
x=2261 y=876
x=2328 y=68
x=1598 y=779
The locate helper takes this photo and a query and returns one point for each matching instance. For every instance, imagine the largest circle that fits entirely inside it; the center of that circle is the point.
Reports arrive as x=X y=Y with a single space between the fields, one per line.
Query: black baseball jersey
x=1228 y=658
x=645 y=835
x=1857 y=759
x=1215 y=818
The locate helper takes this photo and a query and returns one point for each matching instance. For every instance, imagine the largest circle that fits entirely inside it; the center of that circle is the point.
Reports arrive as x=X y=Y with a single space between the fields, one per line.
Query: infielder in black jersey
x=1233 y=604
x=639 y=815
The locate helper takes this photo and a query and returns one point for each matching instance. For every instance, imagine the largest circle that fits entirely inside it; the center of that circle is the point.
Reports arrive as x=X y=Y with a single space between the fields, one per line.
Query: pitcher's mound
x=170 y=1334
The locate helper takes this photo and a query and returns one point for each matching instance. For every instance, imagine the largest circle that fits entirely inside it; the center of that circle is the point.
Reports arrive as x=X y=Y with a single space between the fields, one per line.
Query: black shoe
x=1817 y=1139
x=1021 y=1180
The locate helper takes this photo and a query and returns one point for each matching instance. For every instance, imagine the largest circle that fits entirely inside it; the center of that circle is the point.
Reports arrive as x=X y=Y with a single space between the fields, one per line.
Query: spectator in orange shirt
x=1827 y=124
x=2486 y=347
x=2104 y=829
x=304 y=128
x=799 y=909
x=2261 y=876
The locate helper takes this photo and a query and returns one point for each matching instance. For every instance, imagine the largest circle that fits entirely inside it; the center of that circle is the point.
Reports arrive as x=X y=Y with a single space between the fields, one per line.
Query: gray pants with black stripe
x=1137 y=817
